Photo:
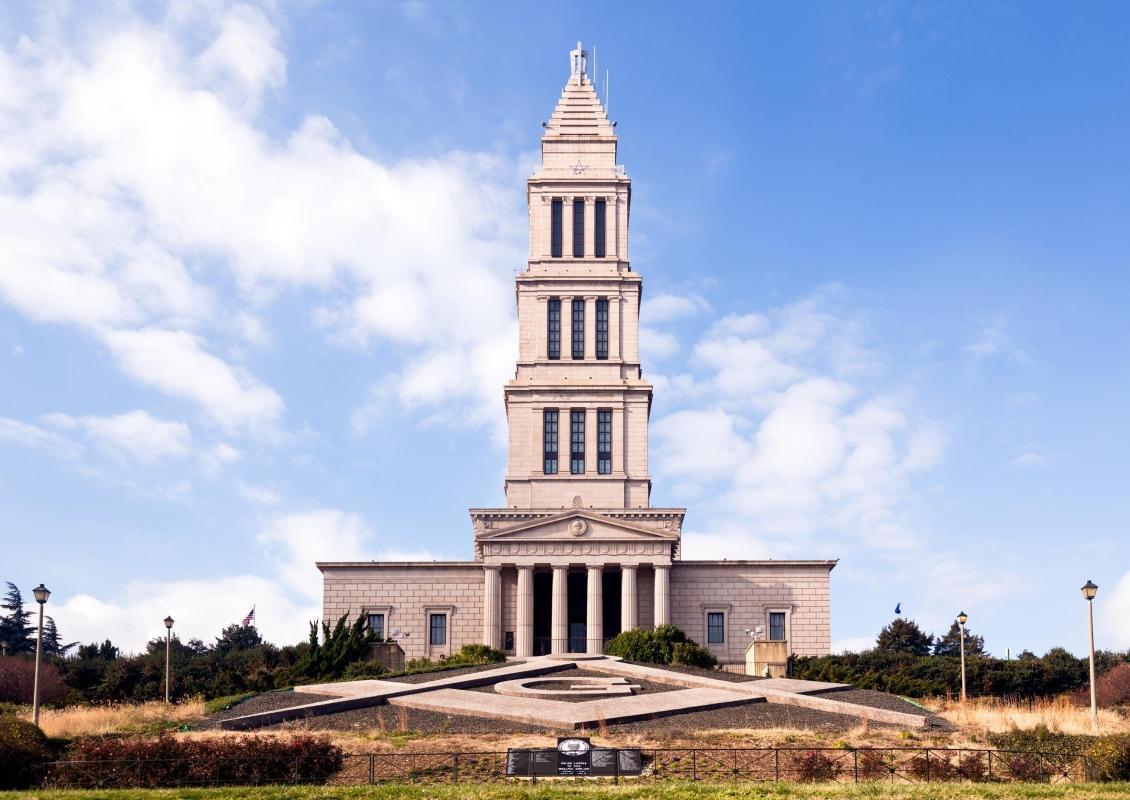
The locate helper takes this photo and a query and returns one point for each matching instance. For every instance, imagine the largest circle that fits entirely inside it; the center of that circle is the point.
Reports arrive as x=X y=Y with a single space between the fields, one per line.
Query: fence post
x=530 y=766
x=694 y=764
x=455 y=768
x=855 y=768
x=927 y=765
x=990 y=752
x=776 y=765
x=372 y=770
x=734 y=769
x=616 y=765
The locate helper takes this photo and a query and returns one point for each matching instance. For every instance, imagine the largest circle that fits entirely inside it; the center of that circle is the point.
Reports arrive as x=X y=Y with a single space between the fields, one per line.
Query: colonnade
x=559 y=606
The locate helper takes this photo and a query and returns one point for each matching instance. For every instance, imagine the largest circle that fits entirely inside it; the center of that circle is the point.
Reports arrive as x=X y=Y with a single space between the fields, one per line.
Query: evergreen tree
x=238 y=637
x=16 y=630
x=903 y=636
x=950 y=644
x=52 y=644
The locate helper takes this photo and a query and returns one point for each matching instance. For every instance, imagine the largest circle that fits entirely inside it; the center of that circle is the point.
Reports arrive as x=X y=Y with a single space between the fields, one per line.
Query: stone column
x=559 y=622
x=594 y=624
x=629 y=604
x=524 y=640
x=662 y=597
x=492 y=606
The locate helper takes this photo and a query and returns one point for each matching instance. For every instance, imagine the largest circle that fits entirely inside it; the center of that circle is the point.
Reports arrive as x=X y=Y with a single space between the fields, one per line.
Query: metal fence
x=891 y=765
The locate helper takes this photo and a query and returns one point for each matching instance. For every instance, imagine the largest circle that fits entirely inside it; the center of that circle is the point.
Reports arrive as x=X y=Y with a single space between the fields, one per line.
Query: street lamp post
x=41 y=593
x=962 y=618
x=1089 y=591
x=168 y=653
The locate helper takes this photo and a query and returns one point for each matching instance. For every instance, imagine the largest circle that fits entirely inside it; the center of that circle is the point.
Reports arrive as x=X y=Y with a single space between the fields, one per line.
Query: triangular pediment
x=577 y=525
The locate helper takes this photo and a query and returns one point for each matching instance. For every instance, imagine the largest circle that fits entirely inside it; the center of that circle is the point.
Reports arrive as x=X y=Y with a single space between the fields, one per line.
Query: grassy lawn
x=561 y=791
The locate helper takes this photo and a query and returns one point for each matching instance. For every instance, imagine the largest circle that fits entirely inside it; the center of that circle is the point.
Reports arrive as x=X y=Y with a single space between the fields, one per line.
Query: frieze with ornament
x=576 y=548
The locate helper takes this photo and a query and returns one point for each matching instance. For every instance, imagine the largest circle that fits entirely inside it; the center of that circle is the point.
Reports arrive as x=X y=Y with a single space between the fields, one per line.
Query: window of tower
x=604 y=442
x=598 y=229
x=577 y=438
x=549 y=433
x=553 y=328
x=578 y=229
x=578 y=327
x=555 y=228
x=602 y=327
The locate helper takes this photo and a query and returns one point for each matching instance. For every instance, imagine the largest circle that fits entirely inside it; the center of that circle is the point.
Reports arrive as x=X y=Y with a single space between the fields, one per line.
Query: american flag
x=250 y=618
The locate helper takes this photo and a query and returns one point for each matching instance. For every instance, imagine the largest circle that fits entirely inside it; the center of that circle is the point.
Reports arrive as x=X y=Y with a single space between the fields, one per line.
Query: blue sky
x=256 y=304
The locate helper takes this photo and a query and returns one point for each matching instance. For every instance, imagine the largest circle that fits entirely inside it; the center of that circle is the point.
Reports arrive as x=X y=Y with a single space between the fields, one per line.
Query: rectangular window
x=437 y=629
x=598 y=229
x=578 y=327
x=577 y=452
x=604 y=442
x=555 y=229
x=578 y=229
x=602 y=327
x=715 y=628
x=553 y=327
x=549 y=426
x=776 y=626
x=377 y=626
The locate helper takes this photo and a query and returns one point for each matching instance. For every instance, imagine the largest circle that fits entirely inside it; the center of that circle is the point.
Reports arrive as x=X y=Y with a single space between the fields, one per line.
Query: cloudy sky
x=256 y=304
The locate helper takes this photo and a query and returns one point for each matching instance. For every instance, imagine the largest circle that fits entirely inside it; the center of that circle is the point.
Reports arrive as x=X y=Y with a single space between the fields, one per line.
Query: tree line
x=908 y=661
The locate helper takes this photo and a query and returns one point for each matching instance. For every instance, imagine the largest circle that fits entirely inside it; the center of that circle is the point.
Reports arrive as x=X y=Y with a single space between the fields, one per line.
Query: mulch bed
x=873 y=699
x=271 y=701
x=718 y=674
x=425 y=677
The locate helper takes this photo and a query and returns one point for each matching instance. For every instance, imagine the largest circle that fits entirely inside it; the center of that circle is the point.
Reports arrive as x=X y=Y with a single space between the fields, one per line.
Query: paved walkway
x=699 y=693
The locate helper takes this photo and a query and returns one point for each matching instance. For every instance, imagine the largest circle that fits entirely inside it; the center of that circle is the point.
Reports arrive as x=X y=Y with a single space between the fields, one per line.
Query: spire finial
x=578 y=64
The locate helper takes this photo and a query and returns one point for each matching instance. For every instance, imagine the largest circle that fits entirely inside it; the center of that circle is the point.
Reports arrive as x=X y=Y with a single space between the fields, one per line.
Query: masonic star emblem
x=579 y=168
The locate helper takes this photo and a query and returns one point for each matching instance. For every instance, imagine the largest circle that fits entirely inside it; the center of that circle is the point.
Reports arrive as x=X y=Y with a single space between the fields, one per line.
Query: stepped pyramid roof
x=579 y=111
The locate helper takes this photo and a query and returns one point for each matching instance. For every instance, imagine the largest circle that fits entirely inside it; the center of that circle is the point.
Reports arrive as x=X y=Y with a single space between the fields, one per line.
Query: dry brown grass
x=1057 y=714
x=118 y=718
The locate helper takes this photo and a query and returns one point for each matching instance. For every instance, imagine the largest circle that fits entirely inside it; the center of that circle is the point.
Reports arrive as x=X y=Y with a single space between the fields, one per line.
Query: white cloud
x=994 y=341
x=1029 y=459
x=163 y=228
x=294 y=542
x=135 y=435
x=855 y=644
x=32 y=436
x=257 y=494
x=1112 y=616
x=667 y=307
x=175 y=363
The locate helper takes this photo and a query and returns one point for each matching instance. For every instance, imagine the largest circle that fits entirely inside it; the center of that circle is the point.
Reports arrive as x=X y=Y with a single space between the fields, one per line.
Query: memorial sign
x=573 y=757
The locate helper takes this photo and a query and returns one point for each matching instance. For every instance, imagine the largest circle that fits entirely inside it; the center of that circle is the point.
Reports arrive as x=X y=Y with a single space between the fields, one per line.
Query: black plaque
x=523 y=763
x=574 y=756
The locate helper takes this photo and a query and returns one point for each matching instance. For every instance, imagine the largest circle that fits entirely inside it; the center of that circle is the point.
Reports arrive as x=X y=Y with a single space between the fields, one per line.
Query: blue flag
x=898 y=608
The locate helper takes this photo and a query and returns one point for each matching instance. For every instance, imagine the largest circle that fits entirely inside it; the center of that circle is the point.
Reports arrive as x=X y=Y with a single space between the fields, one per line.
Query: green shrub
x=218 y=704
x=471 y=655
x=1110 y=756
x=363 y=670
x=690 y=654
x=22 y=747
x=666 y=644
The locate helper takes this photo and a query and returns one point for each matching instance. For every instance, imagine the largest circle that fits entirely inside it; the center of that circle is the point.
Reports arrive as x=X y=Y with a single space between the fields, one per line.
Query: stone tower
x=578 y=406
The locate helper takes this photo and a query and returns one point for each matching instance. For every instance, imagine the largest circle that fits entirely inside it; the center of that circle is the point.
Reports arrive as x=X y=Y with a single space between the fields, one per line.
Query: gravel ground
x=425 y=677
x=272 y=701
x=734 y=677
x=646 y=687
x=398 y=719
x=868 y=697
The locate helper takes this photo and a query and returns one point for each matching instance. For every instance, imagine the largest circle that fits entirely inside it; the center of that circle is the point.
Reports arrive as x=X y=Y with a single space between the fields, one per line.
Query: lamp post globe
x=41 y=593
x=962 y=618
x=1089 y=590
x=168 y=653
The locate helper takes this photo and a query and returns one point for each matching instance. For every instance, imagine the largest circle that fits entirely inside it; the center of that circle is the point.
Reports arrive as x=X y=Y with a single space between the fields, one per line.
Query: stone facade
x=578 y=554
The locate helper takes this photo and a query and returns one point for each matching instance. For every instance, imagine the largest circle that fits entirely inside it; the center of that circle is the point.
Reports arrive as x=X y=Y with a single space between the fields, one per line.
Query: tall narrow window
x=604 y=442
x=598 y=229
x=578 y=229
x=776 y=626
x=577 y=453
x=553 y=327
x=578 y=327
x=715 y=628
x=549 y=447
x=555 y=229
x=602 y=327
x=437 y=629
